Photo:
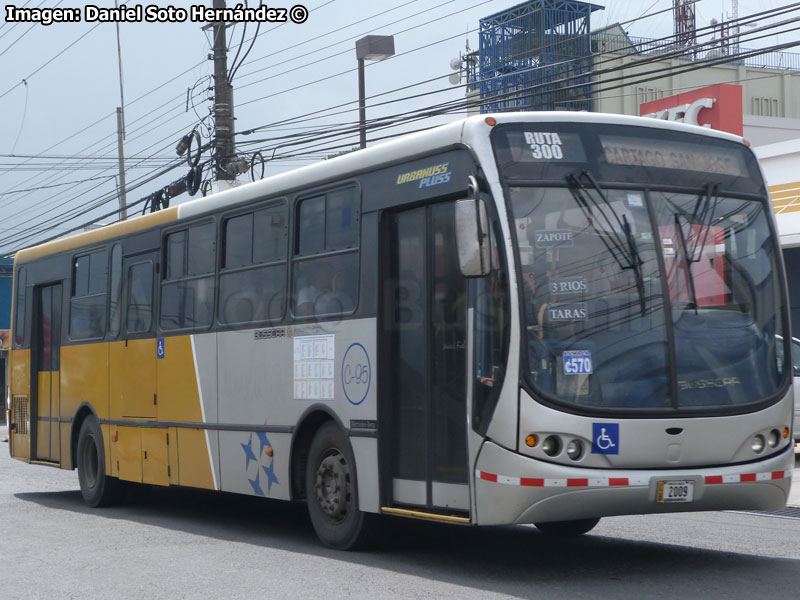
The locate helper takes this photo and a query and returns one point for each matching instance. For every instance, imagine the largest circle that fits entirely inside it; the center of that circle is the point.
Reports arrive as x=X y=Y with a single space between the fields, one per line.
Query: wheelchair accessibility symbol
x=605 y=438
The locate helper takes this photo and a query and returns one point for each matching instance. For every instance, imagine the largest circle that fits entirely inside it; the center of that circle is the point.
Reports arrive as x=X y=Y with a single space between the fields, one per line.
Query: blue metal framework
x=536 y=56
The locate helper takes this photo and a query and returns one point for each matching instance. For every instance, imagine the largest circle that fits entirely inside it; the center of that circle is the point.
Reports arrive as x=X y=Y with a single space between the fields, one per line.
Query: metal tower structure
x=685 y=25
x=536 y=56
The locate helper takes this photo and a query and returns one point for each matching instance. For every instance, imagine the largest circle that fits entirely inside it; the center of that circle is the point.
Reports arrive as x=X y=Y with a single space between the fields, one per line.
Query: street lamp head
x=375 y=47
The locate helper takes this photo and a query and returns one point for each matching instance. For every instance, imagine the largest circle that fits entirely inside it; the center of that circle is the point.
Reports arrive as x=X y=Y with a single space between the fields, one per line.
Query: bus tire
x=97 y=488
x=567 y=528
x=331 y=492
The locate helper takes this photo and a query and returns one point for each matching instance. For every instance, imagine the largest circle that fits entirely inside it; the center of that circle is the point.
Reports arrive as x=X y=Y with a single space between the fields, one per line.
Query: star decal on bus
x=263 y=460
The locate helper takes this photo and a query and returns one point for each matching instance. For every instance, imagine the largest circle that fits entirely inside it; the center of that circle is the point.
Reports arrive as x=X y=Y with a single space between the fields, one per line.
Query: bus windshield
x=646 y=300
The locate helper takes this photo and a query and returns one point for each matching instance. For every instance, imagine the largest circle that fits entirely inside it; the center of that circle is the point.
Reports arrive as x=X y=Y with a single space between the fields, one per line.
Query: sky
x=60 y=88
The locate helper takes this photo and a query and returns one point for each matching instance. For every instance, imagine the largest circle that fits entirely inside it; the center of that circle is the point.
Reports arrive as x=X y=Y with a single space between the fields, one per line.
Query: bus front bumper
x=511 y=488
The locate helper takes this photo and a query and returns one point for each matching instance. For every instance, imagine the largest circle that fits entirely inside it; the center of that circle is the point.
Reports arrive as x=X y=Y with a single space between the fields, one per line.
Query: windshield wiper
x=687 y=261
x=703 y=216
x=631 y=254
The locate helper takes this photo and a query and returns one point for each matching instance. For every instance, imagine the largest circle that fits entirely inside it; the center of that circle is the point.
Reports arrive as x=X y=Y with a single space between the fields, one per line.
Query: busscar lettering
x=270 y=334
x=701 y=384
x=43 y=16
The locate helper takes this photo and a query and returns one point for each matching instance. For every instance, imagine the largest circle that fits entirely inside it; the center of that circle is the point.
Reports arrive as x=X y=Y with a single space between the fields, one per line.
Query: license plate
x=675 y=491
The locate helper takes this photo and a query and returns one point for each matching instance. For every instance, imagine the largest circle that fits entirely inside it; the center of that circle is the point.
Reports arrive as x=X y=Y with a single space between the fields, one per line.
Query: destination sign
x=662 y=154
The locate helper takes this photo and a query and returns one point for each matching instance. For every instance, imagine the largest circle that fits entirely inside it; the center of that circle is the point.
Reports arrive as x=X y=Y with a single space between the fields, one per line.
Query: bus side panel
x=194 y=469
x=187 y=393
x=20 y=390
x=178 y=395
x=84 y=378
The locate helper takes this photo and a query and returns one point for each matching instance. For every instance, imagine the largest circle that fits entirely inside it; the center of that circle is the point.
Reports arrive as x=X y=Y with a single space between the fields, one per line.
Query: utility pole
x=223 y=103
x=123 y=201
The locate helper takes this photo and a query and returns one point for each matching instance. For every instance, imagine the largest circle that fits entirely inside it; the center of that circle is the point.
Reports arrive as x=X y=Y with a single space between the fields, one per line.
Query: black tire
x=97 y=488
x=331 y=492
x=567 y=528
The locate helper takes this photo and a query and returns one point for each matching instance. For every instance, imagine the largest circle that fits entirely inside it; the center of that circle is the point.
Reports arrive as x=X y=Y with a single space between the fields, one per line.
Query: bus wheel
x=576 y=527
x=97 y=488
x=331 y=491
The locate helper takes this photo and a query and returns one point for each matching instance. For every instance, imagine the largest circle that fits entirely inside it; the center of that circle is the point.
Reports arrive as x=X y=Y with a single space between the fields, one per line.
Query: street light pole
x=362 y=106
x=370 y=47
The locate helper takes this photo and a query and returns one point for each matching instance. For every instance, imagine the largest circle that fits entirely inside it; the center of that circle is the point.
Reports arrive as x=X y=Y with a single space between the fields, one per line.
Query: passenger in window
x=317 y=297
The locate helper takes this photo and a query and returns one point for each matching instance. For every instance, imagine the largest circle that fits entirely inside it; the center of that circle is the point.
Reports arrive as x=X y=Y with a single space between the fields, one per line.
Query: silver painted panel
x=499 y=503
x=254 y=383
x=450 y=495
x=366 y=453
x=407 y=491
x=645 y=443
x=204 y=351
x=247 y=468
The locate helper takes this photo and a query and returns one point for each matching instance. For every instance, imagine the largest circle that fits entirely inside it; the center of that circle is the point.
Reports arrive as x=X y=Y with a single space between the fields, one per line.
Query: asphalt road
x=177 y=543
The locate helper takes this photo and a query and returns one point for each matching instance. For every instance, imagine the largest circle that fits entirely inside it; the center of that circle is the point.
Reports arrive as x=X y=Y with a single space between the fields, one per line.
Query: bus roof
x=370 y=158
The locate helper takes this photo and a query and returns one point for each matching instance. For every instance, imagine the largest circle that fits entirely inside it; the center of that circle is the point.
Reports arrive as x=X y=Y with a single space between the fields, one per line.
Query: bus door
x=133 y=370
x=137 y=373
x=46 y=382
x=424 y=325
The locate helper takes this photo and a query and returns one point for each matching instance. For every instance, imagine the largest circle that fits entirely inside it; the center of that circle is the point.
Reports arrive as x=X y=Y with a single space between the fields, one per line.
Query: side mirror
x=472 y=234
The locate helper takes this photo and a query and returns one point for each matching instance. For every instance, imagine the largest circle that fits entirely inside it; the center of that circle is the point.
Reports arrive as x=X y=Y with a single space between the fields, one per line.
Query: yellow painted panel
x=129 y=453
x=84 y=378
x=781 y=196
x=20 y=372
x=132 y=379
x=43 y=399
x=155 y=456
x=784 y=186
x=98 y=235
x=105 y=430
x=66 y=454
x=43 y=402
x=113 y=450
x=174 y=472
x=55 y=429
x=178 y=397
x=193 y=463
x=42 y=439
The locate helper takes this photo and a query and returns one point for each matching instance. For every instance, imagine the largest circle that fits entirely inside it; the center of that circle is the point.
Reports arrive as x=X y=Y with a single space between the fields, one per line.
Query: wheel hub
x=333 y=485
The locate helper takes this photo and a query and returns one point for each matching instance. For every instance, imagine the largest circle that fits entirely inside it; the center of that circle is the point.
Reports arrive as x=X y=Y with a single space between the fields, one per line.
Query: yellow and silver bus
x=538 y=318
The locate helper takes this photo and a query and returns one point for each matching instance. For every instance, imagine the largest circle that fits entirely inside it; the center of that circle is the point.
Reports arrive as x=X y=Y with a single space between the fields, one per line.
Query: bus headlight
x=551 y=445
x=773 y=438
x=575 y=449
x=758 y=444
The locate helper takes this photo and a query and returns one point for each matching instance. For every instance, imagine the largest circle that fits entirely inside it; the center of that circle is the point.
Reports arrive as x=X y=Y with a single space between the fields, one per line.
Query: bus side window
x=114 y=304
x=19 y=307
x=87 y=315
x=252 y=282
x=325 y=267
x=188 y=288
x=491 y=324
x=139 y=317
